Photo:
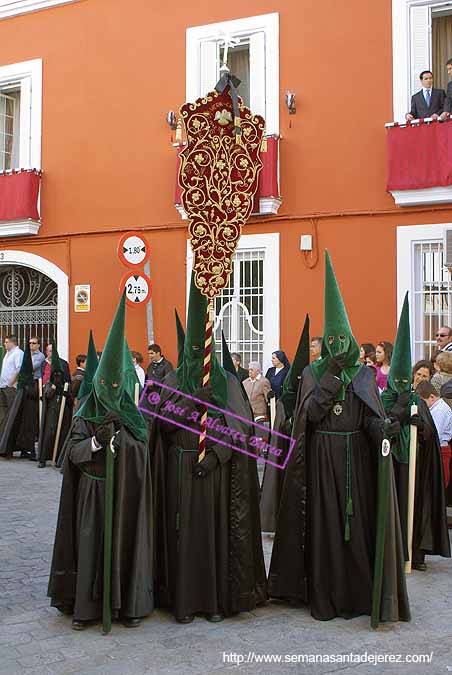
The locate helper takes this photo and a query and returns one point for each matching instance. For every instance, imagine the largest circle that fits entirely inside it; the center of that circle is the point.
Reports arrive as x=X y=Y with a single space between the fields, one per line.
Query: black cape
x=49 y=422
x=208 y=546
x=20 y=427
x=311 y=561
x=273 y=479
x=77 y=564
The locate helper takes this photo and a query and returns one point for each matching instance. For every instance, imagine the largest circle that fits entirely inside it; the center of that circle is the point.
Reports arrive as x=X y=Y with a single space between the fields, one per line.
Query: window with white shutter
x=20 y=115
x=255 y=55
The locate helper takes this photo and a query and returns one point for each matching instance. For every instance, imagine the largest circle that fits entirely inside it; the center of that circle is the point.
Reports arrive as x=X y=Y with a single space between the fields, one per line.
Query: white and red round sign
x=133 y=249
x=138 y=288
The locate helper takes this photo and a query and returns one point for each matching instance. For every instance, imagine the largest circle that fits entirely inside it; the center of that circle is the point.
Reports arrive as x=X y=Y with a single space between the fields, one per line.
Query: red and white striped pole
x=206 y=376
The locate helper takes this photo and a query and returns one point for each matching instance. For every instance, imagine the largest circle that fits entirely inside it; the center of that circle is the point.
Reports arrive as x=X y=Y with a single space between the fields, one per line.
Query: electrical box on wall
x=306 y=242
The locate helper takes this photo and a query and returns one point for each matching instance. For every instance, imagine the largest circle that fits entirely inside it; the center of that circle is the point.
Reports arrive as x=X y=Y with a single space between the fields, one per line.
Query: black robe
x=273 y=477
x=208 y=546
x=77 y=564
x=311 y=561
x=20 y=427
x=49 y=422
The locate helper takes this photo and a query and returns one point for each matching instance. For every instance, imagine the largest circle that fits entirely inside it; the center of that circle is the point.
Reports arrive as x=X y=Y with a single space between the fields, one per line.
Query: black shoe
x=186 y=619
x=421 y=567
x=24 y=454
x=78 y=625
x=66 y=610
x=214 y=618
x=42 y=465
x=33 y=457
x=131 y=622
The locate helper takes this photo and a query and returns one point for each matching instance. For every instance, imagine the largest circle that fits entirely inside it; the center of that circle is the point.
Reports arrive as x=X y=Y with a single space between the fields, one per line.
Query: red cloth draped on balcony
x=268 y=177
x=419 y=156
x=19 y=195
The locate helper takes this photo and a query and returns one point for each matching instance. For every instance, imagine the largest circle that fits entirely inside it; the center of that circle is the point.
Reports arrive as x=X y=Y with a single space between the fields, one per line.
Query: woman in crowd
x=443 y=367
x=422 y=370
x=277 y=373
x=137 y=361
x=383 y=353
x=367 y=354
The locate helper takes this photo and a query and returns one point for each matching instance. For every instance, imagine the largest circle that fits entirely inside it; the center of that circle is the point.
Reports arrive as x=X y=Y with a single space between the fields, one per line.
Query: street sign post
x=133 y=249
x=138 y=288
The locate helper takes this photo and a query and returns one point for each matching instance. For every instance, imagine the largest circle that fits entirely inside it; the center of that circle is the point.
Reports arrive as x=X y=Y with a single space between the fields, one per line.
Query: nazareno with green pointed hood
x=273 y=480
x=110 y=391
x=337 y=333
x=180 y=339
x=102 y=557
x=207 y=534
x=92 y=362
x=21 y=423
x=323 y=552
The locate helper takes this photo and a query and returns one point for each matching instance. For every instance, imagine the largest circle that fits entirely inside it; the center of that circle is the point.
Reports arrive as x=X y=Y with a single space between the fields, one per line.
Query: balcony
x=19 y=200
x=267 y=199
x=420 y=162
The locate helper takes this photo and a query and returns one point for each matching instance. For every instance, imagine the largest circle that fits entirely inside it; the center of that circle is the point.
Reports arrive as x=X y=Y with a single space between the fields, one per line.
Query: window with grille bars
x=432 y=297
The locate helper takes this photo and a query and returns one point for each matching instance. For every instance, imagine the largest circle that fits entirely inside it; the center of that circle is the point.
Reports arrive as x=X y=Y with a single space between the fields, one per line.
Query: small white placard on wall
x=82 y=298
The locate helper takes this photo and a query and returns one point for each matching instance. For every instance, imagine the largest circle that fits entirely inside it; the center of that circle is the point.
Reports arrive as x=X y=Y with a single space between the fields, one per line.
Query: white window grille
x=20 y=143
x=247 y=311
x=256 y=57
x=432 y=295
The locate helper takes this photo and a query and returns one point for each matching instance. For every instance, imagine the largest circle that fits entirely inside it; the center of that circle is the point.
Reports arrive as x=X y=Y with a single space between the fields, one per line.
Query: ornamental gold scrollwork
x=219 y=178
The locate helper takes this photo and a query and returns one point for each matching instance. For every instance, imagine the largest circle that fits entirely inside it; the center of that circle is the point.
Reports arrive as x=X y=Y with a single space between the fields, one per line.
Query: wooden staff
x=39 y=403
x=108 y=534
x=137 y=393
x=411 y=490
x=272 y=411
x=60 y=422
x=206 y=377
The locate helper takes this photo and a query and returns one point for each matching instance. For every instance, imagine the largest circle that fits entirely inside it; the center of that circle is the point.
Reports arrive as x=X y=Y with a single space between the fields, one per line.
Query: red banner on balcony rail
x=19 y=195
x=420 y=156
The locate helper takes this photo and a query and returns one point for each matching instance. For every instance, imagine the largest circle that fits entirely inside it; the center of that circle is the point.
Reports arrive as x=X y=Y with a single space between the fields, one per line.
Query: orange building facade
x=100 y=77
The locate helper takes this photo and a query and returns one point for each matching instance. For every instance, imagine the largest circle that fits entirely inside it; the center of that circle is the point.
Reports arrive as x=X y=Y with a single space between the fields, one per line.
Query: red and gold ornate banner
x=218 y=174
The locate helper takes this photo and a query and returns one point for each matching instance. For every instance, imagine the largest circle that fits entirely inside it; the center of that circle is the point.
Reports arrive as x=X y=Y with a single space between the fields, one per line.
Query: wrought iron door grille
x=28 y=304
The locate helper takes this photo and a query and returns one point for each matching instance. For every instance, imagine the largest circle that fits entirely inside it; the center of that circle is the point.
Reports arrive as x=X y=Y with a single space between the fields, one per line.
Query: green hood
x=228 y=363
x=55 y=363
x=301 y=360
x=25 y=378
x=337 y=333
x=130 y=374
x=90 y=368
x=110 y=390
x=180 y=339
x=399 y=381
x=189 y=372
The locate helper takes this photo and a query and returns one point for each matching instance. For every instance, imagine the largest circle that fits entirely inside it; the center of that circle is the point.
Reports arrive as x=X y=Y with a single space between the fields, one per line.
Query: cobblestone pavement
x=36 y=639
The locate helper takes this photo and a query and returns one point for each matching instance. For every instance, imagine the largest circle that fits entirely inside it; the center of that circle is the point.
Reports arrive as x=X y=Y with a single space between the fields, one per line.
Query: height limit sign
x=137 y=286
x=133 y=249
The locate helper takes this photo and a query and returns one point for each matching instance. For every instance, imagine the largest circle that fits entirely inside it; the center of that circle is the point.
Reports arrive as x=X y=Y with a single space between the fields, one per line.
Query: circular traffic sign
x=133 y=249
x=138 y=288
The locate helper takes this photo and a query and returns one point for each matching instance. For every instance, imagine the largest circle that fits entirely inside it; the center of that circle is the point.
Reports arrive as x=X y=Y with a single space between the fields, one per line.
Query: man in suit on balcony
x=428 y=102
x=448 y=101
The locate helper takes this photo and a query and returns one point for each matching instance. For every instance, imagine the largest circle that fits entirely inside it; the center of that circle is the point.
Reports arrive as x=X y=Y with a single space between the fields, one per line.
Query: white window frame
x=10 y=8
x=404 y=66
x=269 y=243
x=407 y=238
x=204 y=39
x=28 y=75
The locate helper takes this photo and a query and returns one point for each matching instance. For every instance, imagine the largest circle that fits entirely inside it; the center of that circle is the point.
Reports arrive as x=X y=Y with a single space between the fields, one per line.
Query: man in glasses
x=37 y=357
x=444 y=339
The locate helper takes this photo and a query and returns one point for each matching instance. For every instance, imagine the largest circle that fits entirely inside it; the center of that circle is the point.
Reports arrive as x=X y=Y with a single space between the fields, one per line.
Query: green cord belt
x=348 y=482
x=90 y=475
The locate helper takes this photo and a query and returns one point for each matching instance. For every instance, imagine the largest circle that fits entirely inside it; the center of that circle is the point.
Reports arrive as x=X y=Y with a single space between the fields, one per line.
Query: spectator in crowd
x=367 y=354
x=428 y=101
x=137 y=359
x=383 y=353
x=242 y=373
x=9 y=374
x=422 y=371
x=277 y=373
x=443 y=365
x=316 y=348
x=159 y=367
x=78 y=374
x=448 y=101
x=257 y=388
x=442 y=417
x=444 y=339
x=37 y=357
